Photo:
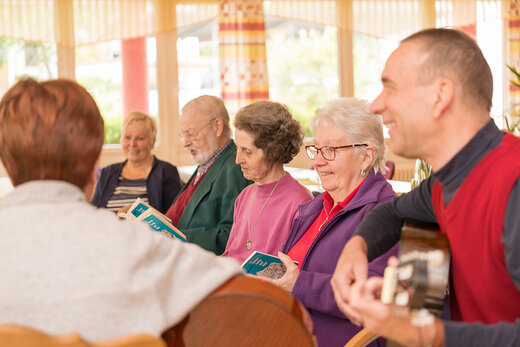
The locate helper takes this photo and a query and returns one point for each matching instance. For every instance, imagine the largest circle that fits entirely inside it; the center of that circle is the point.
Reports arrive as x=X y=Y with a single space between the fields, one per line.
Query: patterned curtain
x=243 y=66
x=387 y=18
x=514 y=48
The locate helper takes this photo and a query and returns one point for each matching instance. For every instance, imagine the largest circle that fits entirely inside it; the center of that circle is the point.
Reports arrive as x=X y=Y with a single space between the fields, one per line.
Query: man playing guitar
x=436 y=98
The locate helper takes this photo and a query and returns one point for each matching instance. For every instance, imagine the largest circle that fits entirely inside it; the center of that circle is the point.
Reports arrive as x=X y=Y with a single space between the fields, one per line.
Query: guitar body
x=245 y=312
x=421 y=279
x=429 y=250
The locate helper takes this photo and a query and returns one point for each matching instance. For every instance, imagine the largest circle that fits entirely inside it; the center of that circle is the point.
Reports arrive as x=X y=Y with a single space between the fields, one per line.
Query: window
x=198 y=61
x=370 y=54
x=488 y=34
x=22 y=58
x=100 y=69
x=306 y=78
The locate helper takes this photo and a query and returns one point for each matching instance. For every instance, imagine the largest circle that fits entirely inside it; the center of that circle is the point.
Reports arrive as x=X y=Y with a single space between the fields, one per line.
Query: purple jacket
x=312 y=286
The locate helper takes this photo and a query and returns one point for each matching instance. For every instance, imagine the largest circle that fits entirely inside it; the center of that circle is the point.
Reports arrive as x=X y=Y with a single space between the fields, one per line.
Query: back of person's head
x=210 y=107
x=454 y=54
x=275 y=131
x=149 y=123
x=353 y=118
x=49 y=130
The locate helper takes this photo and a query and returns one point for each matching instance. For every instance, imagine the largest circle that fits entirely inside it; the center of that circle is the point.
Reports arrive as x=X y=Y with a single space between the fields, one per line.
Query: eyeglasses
x=192 y=134
x=327 y=152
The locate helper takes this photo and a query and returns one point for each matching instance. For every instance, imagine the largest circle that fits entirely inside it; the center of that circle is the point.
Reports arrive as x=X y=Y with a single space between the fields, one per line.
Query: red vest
x=474 y=221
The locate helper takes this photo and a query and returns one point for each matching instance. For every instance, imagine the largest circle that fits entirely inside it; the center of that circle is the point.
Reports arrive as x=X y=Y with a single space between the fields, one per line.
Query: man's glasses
x=192 y=134
x=327 y=152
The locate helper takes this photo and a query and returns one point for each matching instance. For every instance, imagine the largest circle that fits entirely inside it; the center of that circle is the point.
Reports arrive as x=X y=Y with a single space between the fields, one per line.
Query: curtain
x=189 y=14
x=387 y=18
x=514 y=48
x=96 y=20
x=243 y=65
x=102 y=20
x=27 y=20
x=321 y=12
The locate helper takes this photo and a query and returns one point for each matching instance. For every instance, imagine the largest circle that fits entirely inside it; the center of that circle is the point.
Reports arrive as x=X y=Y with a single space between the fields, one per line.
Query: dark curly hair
x=276 y=132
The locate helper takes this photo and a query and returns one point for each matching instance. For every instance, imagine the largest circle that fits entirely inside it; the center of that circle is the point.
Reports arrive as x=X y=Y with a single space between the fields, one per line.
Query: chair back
x=390 y=166
x=19 y=336
x=245 y=312
x=362 y=339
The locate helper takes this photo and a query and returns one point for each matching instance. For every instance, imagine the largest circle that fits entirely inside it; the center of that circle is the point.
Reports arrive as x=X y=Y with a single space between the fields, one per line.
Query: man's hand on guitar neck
x=352 y=267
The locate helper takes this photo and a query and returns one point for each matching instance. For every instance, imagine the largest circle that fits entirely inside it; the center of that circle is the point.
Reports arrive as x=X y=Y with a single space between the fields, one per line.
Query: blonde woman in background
x=141 y=175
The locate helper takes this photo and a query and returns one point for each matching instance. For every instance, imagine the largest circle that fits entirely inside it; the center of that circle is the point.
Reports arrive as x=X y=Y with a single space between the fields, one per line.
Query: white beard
x=201 y=158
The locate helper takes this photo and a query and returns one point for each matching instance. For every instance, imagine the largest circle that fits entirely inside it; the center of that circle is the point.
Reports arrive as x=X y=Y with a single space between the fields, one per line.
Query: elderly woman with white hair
x=348 y=155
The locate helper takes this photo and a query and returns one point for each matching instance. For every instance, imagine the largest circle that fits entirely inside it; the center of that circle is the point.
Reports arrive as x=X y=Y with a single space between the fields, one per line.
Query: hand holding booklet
x=140 y=210
x=262 y=264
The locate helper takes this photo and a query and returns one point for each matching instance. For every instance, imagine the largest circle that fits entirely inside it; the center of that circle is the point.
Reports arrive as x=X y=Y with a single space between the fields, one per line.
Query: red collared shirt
x=329 y=210
x=177 y=208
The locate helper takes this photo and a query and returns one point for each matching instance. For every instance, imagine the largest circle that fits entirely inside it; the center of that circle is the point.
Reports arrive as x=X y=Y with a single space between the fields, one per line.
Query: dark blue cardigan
x=162 y=185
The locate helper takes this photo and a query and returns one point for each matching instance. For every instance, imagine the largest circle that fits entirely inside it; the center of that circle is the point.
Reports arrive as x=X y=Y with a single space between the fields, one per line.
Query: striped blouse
x=126 y=192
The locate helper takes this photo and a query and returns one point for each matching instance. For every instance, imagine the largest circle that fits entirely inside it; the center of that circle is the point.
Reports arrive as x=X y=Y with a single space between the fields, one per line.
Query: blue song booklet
x=140 y=210
x=263 y=264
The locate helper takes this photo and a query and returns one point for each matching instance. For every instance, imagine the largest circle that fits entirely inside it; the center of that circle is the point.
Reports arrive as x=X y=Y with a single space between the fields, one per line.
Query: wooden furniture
x=362 y=338
x=390 y=169
x=19 y=336
x=245 y=312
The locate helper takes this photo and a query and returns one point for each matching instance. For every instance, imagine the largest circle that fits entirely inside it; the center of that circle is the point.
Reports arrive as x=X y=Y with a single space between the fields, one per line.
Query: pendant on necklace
x=248 y=245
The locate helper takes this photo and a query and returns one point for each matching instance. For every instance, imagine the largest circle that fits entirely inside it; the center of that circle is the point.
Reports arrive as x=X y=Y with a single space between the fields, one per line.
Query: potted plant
x=512 y=116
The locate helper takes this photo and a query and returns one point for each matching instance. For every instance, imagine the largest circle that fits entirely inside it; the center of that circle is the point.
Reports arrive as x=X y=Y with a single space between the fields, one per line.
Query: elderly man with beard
x=203 y=210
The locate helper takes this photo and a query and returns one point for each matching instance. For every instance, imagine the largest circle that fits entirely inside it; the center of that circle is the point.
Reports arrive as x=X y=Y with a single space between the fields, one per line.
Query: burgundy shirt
x=175 y=211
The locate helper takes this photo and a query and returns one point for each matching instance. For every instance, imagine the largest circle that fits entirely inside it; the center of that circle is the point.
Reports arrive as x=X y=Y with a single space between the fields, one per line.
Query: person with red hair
x=67 y=266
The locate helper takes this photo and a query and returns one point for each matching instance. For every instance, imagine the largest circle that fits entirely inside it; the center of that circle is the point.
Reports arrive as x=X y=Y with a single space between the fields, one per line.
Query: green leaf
x=515 y=83
x=513 y=70
x=516 y=73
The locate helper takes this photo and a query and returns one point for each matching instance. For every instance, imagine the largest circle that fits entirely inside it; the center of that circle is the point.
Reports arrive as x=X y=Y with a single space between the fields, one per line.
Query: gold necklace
x=249 y=231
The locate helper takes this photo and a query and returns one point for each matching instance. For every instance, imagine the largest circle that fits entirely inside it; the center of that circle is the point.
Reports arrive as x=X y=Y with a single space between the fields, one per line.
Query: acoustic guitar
x=421 y=279
x=245 y=312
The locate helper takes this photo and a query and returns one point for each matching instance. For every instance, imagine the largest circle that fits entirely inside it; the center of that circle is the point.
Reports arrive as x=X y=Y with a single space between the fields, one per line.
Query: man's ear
x=444 y=94
x=218 y=125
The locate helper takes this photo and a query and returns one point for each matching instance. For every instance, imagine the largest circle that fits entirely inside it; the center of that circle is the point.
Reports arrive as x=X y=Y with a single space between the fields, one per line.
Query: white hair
x=352 y=117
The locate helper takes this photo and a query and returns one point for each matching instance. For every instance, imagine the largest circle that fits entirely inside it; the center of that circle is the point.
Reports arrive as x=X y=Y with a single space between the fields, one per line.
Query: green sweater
x=208 y=216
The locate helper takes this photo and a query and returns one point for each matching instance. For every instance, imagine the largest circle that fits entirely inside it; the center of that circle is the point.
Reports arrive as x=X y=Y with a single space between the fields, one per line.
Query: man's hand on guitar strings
x=365 y=299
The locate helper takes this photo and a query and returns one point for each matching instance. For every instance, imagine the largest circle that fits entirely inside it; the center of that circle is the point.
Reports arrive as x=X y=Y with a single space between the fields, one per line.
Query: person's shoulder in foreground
x=66 y=266
x=77 y=259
